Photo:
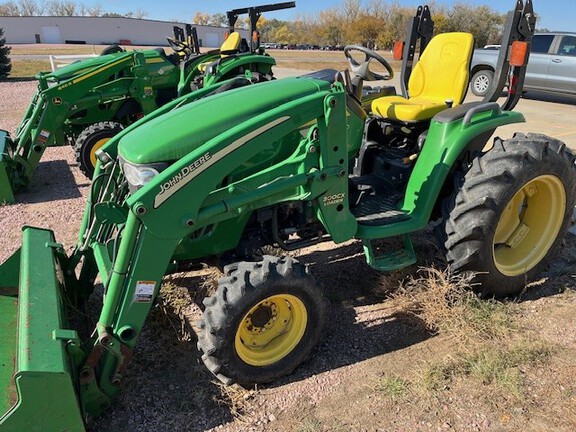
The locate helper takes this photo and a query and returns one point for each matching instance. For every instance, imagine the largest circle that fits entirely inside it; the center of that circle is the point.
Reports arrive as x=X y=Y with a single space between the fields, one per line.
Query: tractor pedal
x=390 y=260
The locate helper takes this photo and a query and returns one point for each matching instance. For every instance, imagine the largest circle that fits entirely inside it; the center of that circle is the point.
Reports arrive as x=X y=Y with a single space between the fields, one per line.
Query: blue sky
x=554 y=14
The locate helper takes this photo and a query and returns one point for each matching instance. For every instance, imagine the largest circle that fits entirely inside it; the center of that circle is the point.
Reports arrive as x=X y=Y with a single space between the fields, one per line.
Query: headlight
x=138 y=175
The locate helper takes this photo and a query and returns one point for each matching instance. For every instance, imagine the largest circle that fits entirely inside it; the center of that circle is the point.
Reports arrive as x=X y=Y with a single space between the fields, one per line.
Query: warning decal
x=144 y=291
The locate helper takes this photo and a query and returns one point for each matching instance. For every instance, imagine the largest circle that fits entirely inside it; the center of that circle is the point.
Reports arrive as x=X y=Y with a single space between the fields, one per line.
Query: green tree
x=5 y=65
x=283 y=34
x=219 y=20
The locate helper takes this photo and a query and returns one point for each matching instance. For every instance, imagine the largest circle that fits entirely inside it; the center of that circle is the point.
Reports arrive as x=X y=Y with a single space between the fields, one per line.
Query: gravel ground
x=366 y=337
x=56 y=196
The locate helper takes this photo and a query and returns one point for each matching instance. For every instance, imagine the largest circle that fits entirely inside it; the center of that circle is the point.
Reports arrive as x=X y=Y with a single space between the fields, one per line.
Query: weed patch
x=495 y=364
x=393 y=387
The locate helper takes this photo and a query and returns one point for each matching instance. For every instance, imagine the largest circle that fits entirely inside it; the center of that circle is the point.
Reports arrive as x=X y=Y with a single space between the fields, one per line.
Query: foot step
x=390 y=260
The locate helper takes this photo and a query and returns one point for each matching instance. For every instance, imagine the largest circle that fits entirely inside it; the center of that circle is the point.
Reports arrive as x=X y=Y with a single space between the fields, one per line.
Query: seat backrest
x=443 y=69
x=231 y=44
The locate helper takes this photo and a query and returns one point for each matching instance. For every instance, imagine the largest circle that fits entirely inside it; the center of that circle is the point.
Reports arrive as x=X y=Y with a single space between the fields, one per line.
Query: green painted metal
x=44 y=380
x=9 y=278
x=280 y=142
x=333 y=208
x=8 y=313
x=443 y=146
x=6 y=194
x=390 y=260
x=128 y=84
x=167 y=140
x=236 y=64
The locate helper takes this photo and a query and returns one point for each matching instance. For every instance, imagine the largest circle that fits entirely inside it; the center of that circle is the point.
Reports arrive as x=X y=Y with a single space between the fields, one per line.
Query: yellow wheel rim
x=271 y=330
x=529 y=225
x=96 y=146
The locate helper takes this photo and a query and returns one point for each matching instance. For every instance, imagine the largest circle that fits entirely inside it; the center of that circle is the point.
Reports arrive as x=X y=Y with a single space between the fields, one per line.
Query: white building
x=101 y=31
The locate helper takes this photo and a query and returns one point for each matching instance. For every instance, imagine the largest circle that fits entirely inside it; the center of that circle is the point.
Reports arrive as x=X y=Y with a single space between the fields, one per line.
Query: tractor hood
x=77 y=68
x=171 y=136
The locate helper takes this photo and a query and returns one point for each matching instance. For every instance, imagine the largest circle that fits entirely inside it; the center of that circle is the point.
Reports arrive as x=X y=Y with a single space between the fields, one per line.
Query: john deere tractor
x=288 y=163
x=87 y=103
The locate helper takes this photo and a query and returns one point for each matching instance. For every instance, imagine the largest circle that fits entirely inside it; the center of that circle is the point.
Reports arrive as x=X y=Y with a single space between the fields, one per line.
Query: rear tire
x=481 y=81
x=90 y=140
x=262 y=322
x=509 y=212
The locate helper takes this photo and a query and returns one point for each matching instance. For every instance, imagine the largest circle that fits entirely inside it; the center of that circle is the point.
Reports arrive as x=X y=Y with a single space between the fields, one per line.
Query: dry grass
x=487 y=350
x=447 y=305
x=236 y=398
x=173 y=303
x=28 y=68
x=293 y=59
x=498 y=365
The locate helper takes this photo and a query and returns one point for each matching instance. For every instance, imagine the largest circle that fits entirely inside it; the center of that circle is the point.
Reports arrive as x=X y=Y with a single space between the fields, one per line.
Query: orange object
x=518 y=53
x=398 y=50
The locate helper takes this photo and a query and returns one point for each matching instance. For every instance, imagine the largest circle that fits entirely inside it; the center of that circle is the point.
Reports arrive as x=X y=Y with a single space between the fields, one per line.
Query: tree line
x=60 y=8
x=373 y=23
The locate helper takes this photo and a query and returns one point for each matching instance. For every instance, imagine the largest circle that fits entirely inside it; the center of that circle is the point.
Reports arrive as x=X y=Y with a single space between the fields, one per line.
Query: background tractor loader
x=88 y=102
x=297 y=162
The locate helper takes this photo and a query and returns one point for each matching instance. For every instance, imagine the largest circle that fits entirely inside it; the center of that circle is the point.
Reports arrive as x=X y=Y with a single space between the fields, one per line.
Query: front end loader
x=86 y=103
x=298 y=161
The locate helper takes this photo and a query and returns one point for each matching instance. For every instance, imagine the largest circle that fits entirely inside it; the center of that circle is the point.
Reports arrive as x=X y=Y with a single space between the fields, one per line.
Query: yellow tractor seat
x=230 y=46
x=439 y=80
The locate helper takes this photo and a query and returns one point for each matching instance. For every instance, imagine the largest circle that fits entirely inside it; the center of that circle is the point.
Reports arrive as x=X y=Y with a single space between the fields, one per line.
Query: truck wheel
x=90 y=140
x=510 y=211
x=262 y=322
x=481 y=81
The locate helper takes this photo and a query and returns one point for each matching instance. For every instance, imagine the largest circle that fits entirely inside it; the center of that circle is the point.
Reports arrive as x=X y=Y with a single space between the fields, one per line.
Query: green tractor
x=296 y=161
x=88 y=102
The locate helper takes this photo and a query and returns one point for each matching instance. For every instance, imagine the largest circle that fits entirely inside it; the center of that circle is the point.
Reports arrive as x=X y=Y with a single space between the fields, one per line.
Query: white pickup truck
x=551 y=66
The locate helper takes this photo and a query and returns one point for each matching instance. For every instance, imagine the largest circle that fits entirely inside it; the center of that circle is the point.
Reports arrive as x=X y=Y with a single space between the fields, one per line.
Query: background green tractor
x=297 y=162
x=88 y=102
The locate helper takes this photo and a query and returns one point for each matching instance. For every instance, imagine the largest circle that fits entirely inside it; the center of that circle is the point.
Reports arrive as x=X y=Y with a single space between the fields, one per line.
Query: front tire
x=91 y=139
x=481 y=81
x=262 y=322
x=510 y=212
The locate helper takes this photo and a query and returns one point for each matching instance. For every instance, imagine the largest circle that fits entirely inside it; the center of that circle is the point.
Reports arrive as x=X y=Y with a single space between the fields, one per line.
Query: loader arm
x=146 y=247
x=50 y=107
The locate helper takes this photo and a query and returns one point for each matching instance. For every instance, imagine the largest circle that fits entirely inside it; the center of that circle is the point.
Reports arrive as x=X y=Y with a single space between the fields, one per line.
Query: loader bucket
x=6 y=193
x=37 y=379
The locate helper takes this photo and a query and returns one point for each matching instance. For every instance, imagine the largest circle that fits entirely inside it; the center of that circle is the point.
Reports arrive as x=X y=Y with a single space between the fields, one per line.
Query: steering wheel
x=177 y=45
x=363 y=69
